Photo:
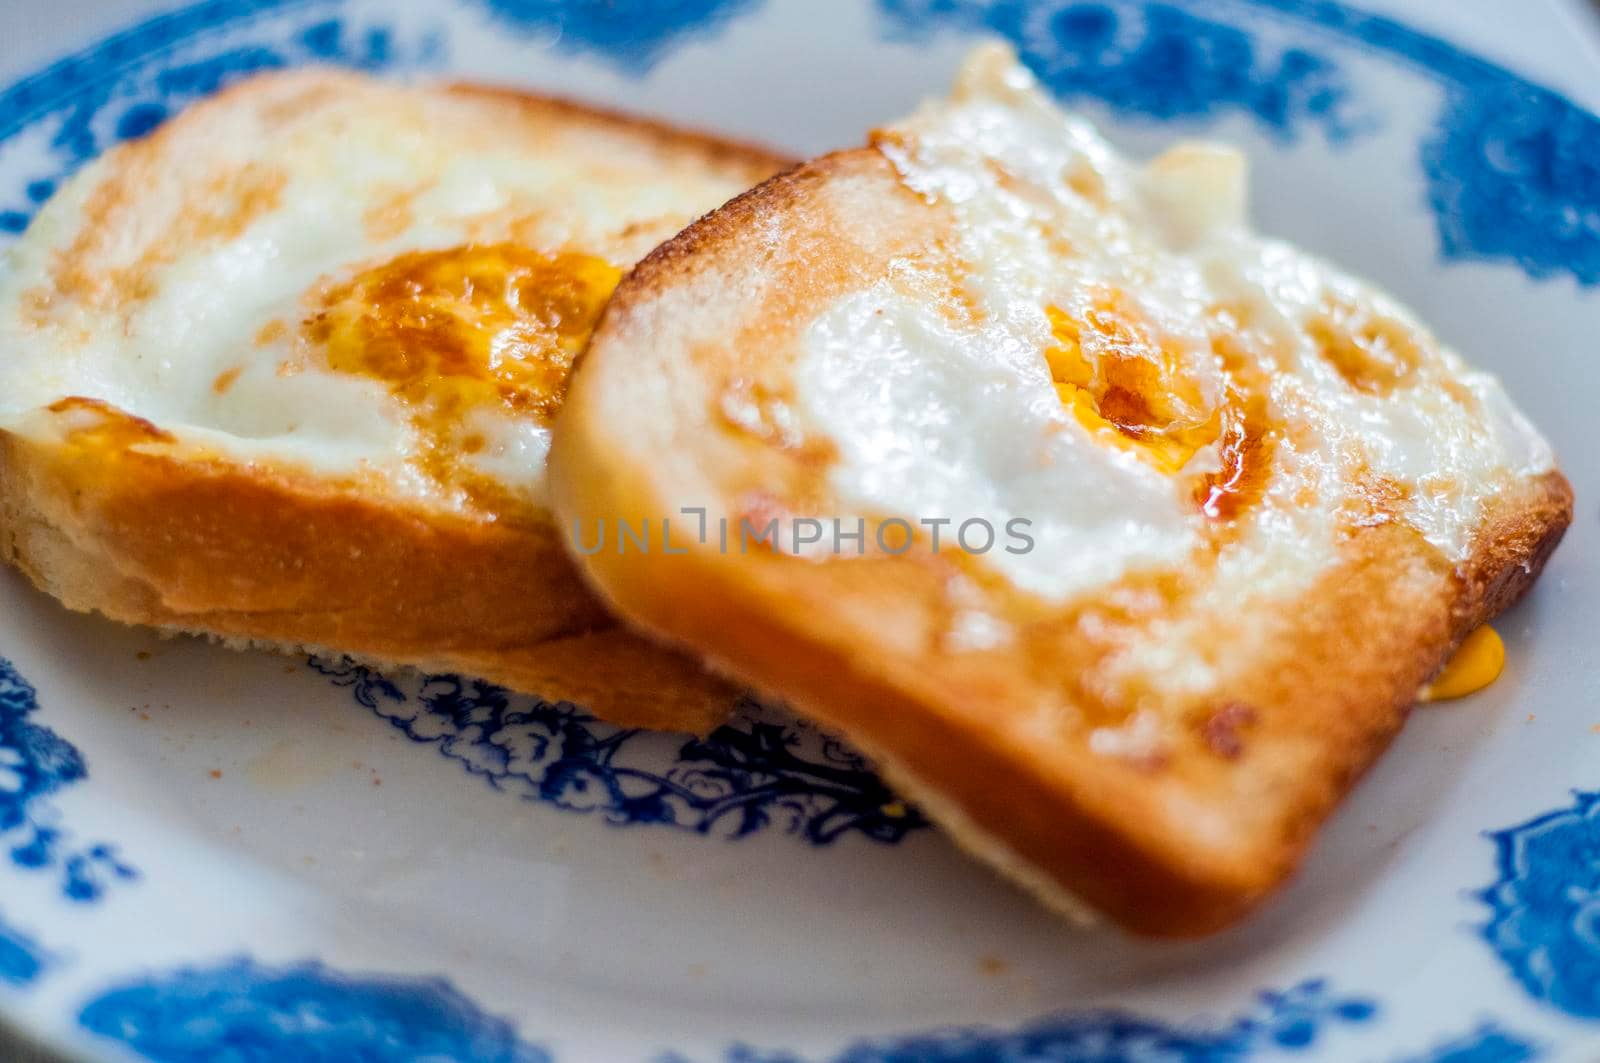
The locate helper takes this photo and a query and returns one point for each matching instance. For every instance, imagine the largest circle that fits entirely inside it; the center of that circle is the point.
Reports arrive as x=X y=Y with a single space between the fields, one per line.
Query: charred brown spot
x=1220 y=729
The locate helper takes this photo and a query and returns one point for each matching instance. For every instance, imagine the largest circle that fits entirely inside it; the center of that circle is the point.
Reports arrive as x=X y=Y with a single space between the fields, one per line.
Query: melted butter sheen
x=451 y=332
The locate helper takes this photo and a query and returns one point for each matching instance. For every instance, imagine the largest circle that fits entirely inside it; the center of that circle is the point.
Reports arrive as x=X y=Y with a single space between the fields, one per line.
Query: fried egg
x=361 y=282
x=1128 y=367
x=283 y=374
x=1262 y=503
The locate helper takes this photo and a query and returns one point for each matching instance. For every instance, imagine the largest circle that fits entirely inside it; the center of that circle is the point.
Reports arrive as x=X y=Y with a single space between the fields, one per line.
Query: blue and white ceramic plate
x=208 y=855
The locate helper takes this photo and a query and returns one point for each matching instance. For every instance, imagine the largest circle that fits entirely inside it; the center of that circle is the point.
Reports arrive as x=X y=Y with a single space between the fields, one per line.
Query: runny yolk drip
x=1246 y=443
x=1126 y=387
x=1476 y=663
x=482 y=326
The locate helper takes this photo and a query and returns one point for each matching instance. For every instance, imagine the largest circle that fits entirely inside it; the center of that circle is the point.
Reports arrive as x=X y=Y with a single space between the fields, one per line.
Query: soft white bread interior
x=283 y=373
x=1259 y=502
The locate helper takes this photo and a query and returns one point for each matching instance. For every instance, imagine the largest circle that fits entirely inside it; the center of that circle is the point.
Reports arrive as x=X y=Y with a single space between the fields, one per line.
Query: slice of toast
x=282 y=373
x=1162 y=525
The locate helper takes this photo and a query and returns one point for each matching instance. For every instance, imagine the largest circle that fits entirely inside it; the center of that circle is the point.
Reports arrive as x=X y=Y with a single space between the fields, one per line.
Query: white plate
x=212 y=855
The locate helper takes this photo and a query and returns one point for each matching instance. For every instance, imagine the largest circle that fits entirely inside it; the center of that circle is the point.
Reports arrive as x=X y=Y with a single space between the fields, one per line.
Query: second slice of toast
x=282 y=373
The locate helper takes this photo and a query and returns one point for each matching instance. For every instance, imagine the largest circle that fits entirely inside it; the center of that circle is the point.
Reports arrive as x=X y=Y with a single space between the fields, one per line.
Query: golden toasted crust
x=1180 y=845
x=254 y=556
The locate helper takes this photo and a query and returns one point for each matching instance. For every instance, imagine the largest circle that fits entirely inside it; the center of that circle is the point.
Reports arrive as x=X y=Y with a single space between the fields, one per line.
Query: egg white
x=934 y=419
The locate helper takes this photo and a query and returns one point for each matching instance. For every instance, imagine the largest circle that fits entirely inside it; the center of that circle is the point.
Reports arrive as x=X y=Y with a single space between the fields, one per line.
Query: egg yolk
x=1125 y=387
x=449 y=332
x=1476 y=663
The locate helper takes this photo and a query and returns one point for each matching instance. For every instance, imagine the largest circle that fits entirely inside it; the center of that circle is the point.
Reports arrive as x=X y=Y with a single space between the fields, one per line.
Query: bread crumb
x=216 y=773
x=992 y=965
x=1220 y=730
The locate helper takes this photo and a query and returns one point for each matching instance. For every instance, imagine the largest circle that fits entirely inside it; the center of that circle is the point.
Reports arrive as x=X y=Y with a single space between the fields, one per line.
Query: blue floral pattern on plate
x=35 y=762
x=1512 y=175
x=1153 y=60
x=310 y=1012
x=1511 y=168
x=1488 y=1043
x=749 y=774
x=632 y=34
x=243 y=1010
x=22 y=959
x=1546 y=904
x=1285 y=1021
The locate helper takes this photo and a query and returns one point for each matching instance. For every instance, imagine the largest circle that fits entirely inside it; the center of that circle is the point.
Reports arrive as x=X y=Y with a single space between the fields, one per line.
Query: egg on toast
x=1123 y=538
x=283 y=373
